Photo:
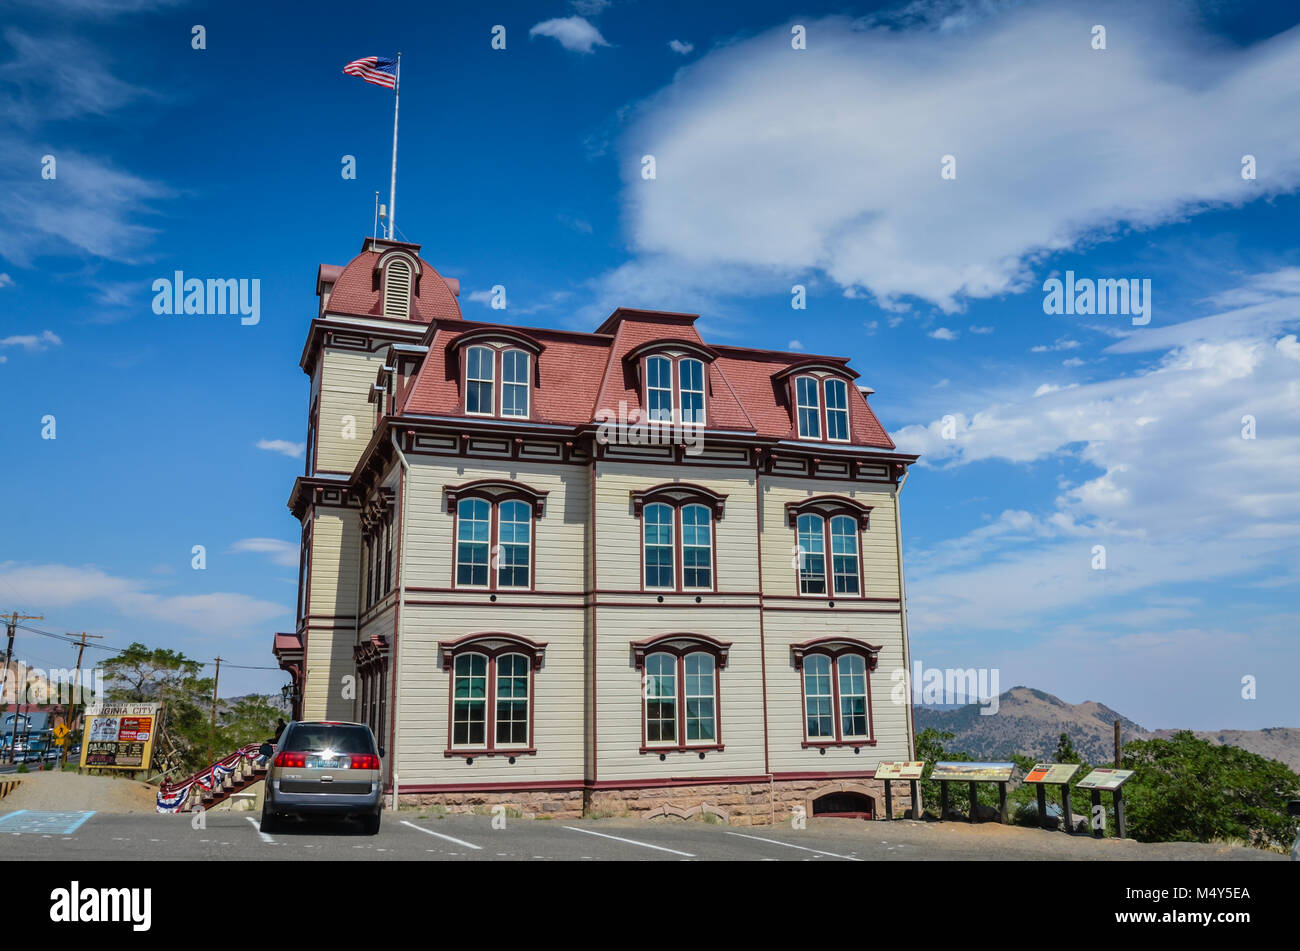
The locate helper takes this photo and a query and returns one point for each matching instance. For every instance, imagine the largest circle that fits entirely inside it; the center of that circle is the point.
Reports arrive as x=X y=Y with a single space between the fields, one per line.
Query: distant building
x=534 y=596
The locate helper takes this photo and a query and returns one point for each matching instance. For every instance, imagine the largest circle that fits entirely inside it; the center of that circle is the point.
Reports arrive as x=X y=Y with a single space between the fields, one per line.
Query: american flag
x=379 y=70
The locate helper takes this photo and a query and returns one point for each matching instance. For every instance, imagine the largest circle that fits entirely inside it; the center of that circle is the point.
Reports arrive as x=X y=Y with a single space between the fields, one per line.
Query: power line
x=122 y=650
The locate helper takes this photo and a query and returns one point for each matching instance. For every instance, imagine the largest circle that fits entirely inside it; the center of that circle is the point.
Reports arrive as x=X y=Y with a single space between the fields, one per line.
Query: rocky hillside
x=1029 y=722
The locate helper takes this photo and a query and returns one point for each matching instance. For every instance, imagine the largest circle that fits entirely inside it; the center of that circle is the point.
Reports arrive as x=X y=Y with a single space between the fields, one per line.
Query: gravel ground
x=69 y=792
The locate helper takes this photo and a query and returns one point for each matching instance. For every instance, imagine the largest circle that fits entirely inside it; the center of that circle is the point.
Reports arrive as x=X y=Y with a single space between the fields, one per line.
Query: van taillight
x=291 y=760
x=365 y=761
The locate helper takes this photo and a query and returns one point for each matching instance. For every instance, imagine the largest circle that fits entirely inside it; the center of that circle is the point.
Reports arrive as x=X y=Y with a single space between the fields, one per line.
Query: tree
x=1186 y=789
x=141 y=674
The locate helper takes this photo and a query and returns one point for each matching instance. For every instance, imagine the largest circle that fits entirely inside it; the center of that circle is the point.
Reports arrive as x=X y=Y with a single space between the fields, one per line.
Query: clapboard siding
x=879 y=550
x=785 y=696
x=424 y=689
x=560 y=535
x=619 y=694
x=618 y=530
x=346 y=379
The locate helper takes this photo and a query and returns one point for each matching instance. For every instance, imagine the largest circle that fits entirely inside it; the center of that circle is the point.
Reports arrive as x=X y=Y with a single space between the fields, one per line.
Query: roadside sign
x=61 y=731
x=974 y=772
x=1053 y=774
x=1105 y=779
x=120 y=735
x=909 y=770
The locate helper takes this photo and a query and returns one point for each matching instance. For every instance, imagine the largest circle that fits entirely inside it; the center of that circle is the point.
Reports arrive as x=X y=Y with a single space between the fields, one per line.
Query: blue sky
x=774 y=167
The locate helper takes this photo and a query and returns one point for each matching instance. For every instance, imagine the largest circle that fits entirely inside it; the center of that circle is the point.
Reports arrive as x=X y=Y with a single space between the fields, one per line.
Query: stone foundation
x=555 y=804
x=736 y=804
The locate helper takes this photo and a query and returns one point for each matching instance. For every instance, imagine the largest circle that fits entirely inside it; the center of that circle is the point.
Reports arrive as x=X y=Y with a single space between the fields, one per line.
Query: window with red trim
x=491 y=704
x=822 y=406
x=681 y=693
x=484 y=366
x=494 y=543
x=836 y=694
x=677 y=536
x=675 y=389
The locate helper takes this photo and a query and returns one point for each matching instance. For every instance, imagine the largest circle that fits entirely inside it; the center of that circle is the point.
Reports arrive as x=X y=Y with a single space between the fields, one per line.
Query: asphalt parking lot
x=235 y=836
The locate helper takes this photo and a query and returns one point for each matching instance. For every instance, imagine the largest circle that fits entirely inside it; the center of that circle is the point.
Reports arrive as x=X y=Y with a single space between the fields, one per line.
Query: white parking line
x=644 y=845
x=468 y=845
x=258 y=826
x=789 y=845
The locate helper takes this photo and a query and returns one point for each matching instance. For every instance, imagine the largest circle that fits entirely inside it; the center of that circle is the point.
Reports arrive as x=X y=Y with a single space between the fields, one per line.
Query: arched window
x=480 y=376
x=829 y=526
x=836 y=680
x=690 y=385
x=808 y=407
x=491 y=710
x=680 y=692
x=473 y=542
x=516 y=383
x=397 y=288
x=677 y=535
x=659 y=554
x=494 y=533
x=837 y=410
x=659 y=389
x=812 y=554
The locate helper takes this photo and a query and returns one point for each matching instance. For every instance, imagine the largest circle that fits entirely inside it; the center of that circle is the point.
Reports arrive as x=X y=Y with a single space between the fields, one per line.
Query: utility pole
x=12 y=623
x=76 y=686
x=1119 y=750
x=212 y=729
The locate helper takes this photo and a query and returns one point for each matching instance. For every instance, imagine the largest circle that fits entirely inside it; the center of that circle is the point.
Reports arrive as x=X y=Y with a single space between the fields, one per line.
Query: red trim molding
x=494 y=491
x=678 y=494
x=827 y=506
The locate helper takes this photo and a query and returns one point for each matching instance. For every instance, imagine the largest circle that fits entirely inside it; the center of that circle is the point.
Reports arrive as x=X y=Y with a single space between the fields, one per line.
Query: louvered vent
x=397 y=289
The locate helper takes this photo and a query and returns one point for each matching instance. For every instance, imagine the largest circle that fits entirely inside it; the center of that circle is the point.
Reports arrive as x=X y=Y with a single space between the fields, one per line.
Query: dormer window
x=480 y=379
x=809 y=407
x=673 y=379
x=490 y=357
x=837 y=410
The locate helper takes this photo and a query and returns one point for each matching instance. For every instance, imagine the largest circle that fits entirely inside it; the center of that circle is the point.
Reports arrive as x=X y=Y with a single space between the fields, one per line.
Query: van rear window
x=319 y=737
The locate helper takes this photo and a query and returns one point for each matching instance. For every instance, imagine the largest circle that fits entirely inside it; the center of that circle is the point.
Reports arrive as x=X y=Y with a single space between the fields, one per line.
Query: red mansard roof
x=357 y=288
x=578 y=374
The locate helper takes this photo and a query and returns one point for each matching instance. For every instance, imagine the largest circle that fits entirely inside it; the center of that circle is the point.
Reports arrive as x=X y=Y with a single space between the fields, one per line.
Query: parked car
x=324 y=768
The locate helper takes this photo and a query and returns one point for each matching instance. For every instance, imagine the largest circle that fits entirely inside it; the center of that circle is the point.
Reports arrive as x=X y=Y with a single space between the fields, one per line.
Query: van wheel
x=269 y=822
x=370 y=824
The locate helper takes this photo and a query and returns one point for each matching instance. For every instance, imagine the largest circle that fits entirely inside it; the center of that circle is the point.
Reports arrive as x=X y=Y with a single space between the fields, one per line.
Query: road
x=235 y=836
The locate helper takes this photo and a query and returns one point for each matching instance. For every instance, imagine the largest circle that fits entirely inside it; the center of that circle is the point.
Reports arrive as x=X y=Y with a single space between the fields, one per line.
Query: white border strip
x=644 y=845
x=790 y=845
x=468 y=845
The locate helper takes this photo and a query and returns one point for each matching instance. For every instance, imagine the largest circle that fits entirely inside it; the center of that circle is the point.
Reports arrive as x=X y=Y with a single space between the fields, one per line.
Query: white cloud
x=57 y=587
x=33 y=343
x=281 y=552
x=589 y=7
x=1072 y=362
x=573 y=33
x=1062 y=344
x=6 y=280
x=943 y=333
x=480 y=297
x=980 y=330
x=681 y=46
x=294 y=450
x=724 y=191
x=794 y=345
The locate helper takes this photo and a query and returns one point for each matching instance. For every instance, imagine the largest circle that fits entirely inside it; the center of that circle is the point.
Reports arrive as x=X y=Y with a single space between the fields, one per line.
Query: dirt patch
x=69 y=792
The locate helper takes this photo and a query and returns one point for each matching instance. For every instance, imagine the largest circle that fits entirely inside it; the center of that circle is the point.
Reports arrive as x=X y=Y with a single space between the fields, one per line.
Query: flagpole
x=392 y=188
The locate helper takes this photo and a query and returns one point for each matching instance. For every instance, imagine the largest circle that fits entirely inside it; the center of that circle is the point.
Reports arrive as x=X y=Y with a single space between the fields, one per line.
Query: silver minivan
x=324 y=768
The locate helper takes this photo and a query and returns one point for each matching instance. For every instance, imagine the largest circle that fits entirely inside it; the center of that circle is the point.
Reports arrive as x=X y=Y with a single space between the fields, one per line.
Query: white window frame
x=460 y=527
x=806 y=551
x=800 y=406
x=687 y=697
x=829 y=696
x=487 y=676
x=855 y=534
x=501 y=545
x=682 y=390
x=707 y=546
x=527 y=700
x=671 y=545
x=839 y=411
x=651 y=388
x=646 y=698
x=525 y=384
x=838 y=668
x=490 y=380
